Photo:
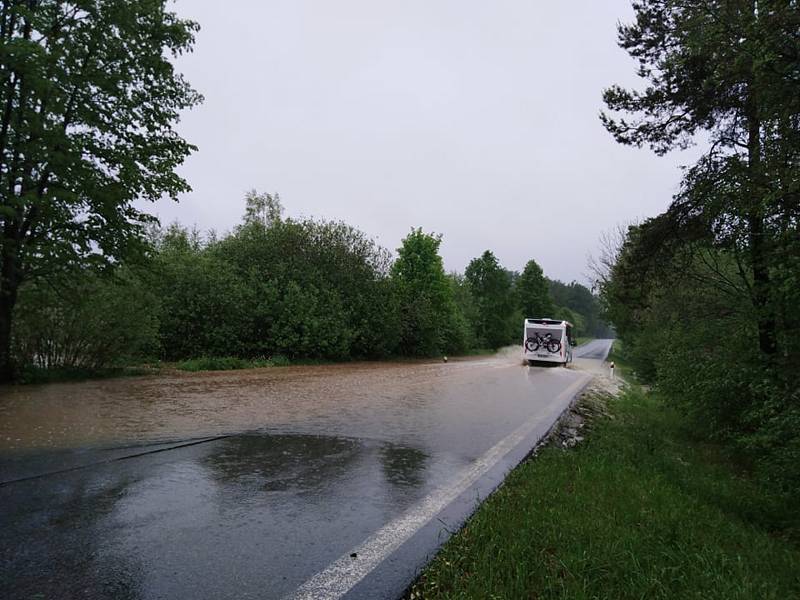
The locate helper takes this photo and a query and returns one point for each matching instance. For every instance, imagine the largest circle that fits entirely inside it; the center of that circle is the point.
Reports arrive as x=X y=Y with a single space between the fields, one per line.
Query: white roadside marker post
x=611 y=369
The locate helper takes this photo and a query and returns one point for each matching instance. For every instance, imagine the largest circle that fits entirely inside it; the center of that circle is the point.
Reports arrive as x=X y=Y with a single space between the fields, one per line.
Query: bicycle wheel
x=531 y=345
x=553 y=346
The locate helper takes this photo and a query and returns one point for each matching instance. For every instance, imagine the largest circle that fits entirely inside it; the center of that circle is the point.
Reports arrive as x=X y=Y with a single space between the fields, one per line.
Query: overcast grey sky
x=476 y=120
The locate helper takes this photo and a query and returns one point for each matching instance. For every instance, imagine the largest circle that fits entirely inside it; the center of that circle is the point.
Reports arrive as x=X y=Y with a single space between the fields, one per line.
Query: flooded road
x=190 y=405
x=253 y=483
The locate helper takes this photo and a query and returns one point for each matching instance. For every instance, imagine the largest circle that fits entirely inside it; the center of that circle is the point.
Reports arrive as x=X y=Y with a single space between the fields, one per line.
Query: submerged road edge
x=352 y=567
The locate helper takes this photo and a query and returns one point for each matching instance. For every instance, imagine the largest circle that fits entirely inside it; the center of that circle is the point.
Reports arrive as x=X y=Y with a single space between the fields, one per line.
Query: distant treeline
x=277 y=286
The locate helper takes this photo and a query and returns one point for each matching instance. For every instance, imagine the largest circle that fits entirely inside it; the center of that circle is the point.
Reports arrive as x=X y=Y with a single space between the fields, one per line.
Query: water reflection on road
x=221 y=519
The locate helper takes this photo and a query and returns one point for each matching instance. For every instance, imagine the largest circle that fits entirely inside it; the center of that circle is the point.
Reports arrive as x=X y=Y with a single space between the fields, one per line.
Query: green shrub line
x=306 y=289
x=640 y=509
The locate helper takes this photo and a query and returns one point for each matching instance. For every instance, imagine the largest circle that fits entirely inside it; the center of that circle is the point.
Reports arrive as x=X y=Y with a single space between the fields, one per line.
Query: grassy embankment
x=638 y=510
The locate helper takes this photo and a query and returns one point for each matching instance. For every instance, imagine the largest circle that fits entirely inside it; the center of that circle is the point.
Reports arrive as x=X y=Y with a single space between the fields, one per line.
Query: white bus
x=547 y=340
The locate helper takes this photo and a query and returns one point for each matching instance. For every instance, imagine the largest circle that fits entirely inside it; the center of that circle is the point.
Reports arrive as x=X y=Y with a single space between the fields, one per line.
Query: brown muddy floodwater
x=181 y=406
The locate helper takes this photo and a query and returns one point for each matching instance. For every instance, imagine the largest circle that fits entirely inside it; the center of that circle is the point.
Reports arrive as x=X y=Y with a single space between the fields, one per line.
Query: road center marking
x=345 y=572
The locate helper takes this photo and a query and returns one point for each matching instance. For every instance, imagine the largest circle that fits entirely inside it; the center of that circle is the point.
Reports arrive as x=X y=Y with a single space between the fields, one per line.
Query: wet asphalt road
x=595 y=350
x=252 y=484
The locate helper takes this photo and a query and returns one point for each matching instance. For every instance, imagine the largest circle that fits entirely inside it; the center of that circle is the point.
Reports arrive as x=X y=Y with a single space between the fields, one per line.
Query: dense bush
x=86 y=321
x=691 y=331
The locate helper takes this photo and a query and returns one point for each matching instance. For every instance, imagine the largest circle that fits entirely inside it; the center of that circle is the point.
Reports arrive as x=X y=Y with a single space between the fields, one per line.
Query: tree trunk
x=7 y=301
x=9 y=286
x=765 y=313
x=759 y=259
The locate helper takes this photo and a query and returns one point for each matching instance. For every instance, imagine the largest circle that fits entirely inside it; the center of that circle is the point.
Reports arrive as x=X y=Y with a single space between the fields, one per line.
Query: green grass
x=228 y=363
x=638 y=510
x=583 y=340
x=621 y=366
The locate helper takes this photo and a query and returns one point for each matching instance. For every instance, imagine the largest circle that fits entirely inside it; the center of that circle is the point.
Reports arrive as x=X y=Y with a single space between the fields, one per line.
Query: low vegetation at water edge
x=228 y=363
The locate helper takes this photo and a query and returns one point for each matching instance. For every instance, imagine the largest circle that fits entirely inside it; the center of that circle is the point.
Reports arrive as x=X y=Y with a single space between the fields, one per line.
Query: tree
x=727 y=69
x=206 y=308
x=264 y=209
x=427 y=310
x=323 y=284
x=532 y=291
x=88 y=100
x=88 y=321
x=491 y=287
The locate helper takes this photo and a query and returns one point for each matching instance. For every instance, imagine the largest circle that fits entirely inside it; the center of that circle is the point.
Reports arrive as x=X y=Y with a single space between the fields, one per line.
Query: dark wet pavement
x=237 y=485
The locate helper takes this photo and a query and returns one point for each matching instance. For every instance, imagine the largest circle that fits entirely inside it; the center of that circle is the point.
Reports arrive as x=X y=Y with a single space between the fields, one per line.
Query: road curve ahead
x=323 y=482
x=595 y=349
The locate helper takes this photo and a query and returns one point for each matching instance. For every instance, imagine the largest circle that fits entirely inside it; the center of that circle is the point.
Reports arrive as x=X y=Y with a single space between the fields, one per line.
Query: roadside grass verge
x=637 y=510
x=621 y=366
x=583 y=340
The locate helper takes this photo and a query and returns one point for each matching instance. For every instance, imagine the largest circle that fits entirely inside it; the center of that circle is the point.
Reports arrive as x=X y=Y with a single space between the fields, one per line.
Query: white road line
x=345 y=572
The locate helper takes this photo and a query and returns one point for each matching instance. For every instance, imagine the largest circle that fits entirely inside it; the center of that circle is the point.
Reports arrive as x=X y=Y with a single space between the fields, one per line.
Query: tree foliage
x=87 y=322
x=576 y=303
x=276 y=286
x=429 y=324
x=272 y=289
x=88 y=100
x=729 y=69
x=491 y=288
x=533 y=294
x=705 y=294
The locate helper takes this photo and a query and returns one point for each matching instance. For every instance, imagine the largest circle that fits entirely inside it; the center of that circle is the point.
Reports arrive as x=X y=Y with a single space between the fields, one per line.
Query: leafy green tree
x=466 y=310
x=264 y=209
x=206 y=308
x=688 y=328
x=86 y=321
x=350 y=309
x=88 y=100
x=533 y=292
x=705 y=294
x=726 y=70
x=427 y=310
x=491 y=289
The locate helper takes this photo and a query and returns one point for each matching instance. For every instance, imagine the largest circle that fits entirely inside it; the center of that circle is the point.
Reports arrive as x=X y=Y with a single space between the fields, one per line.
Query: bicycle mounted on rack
x=532 y=344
